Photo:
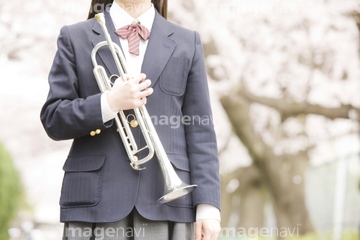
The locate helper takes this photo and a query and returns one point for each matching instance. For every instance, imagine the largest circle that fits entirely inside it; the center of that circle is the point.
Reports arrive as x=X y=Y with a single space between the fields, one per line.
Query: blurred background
x=285 y=84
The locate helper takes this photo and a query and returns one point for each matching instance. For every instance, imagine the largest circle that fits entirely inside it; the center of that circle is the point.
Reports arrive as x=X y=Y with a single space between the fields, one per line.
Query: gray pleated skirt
x=133 y=227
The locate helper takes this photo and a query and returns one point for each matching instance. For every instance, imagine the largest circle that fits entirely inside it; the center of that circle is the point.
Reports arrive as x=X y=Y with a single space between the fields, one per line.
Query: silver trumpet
x=174 y=186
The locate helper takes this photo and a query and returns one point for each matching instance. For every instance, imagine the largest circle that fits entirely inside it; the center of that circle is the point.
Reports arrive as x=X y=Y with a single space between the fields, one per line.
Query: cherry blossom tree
x=287 y=75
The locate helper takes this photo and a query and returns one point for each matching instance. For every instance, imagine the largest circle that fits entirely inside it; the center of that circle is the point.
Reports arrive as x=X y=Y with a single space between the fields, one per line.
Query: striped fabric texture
x=133 y=33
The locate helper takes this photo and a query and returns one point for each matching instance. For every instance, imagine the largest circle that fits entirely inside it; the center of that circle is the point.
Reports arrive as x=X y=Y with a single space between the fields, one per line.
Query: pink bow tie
x=133 y=33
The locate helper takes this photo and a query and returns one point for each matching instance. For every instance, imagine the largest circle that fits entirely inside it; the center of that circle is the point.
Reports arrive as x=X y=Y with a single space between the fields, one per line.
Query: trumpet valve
x=134 y=123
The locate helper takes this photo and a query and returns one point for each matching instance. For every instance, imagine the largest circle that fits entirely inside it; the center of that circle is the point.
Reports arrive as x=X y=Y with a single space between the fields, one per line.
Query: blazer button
x=98 y=131
x=92 y=133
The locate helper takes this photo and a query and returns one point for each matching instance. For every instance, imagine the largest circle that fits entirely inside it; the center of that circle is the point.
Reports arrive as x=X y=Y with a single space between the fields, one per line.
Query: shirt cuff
x=207 y=211
x=106 y=112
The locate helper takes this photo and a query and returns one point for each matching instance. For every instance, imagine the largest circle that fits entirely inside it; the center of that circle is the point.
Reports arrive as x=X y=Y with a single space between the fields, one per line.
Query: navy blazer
x=99 y=185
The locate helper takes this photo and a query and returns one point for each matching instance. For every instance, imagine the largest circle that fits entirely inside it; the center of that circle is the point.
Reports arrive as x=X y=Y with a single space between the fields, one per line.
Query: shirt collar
x=121 y=18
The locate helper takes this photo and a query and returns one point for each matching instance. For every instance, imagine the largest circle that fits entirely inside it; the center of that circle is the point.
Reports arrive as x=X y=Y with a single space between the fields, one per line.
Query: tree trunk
x=282 y=175
x=247 y=200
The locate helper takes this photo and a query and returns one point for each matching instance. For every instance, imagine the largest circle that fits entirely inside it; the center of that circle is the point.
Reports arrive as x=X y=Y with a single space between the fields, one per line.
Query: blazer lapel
x=158 y=52
x=104 y=52
x=159 y=49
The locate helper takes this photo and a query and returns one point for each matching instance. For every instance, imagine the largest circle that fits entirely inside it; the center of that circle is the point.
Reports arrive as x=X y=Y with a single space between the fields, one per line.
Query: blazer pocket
x=174 y=76
x=82 y=181
x=182 y=167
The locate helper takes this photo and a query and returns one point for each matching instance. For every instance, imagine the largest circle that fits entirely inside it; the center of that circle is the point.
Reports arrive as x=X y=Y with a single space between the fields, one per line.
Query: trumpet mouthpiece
x=100 y=18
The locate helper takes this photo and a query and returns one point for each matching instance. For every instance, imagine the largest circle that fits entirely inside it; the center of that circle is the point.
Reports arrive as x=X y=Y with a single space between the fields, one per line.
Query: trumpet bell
x=176 y=192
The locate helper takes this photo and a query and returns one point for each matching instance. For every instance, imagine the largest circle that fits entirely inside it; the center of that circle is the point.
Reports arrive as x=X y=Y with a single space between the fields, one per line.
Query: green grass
x=10 y=192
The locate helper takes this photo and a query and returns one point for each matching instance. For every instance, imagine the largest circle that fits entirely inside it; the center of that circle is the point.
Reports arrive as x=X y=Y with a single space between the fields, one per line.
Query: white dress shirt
x=121 y=18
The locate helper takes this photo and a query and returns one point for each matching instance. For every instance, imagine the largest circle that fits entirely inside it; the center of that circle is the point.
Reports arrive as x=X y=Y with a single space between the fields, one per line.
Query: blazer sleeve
x=200 y=134
x=66 y=115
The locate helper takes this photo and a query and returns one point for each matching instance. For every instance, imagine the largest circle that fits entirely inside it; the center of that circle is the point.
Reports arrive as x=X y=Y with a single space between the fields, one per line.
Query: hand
x=207 y=229
x=129 y=94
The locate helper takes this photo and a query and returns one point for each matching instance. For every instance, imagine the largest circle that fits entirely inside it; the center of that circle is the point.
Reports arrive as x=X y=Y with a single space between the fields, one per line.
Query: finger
x=146 y=92
x=214 y=236
x=216 y=232
x=206 y=236
x=118 y=81
x=139 y=103
x=125 y=78
x=140 y=78
x=145 y=84
x=210 y=230
x=198 y=229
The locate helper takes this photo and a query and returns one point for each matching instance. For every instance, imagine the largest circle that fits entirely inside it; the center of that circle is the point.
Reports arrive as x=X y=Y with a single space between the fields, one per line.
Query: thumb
x=127 y=77
x=120 y=79
x=198 y=230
